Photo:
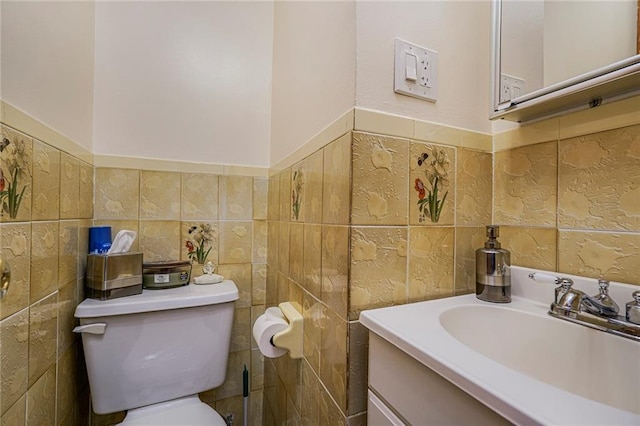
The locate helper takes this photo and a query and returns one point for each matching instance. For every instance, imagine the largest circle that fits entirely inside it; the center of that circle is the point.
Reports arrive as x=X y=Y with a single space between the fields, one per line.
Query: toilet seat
x=179 y=412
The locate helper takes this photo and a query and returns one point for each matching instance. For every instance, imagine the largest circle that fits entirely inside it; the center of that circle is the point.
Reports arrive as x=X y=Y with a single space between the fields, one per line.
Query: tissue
x=122 y=242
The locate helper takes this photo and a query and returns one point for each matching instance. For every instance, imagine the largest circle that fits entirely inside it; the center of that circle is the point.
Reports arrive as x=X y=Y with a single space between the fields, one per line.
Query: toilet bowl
x=152 y=353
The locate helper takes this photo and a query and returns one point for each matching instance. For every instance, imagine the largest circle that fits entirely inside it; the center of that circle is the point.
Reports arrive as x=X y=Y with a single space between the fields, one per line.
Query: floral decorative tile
x=380 y=180
x=298 y=183
x=432 y=179
x=46 y=182
x=15 y=175
x=202 y=240
x=431 y=262
x=336 y=197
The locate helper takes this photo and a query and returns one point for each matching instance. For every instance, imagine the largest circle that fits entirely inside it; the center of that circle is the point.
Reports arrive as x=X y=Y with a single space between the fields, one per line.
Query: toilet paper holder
x=291 y=337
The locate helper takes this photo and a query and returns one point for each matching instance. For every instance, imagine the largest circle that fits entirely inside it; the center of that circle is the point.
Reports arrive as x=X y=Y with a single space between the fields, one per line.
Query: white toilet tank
x=156 y=346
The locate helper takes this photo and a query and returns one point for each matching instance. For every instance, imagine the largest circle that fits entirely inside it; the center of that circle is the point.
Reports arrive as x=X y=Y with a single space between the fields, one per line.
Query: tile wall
x=161 y=207
x=42 y=379
x=346 y=233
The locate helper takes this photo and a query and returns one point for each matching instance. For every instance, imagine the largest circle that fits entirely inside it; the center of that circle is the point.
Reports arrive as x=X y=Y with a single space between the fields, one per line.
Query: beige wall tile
x=199 y=197
x=231 y=405
x=468 y=240
x=241 y=274
x=260 y=241
x=358 y=367
x=43 y=334
x=213 y=245
x=257 y=370
x=44 y=259
x=232 y=385
x=18 y=155
x=430 y=263
x=336 y=196
x=256 y=311
x=68 y=252
x=311 y=387
x=296 y=295
x=378 y=268
x=289 y=371
x=159 y=240
x=69 y=186
x=17 y=414
x=41 y=401
x=293 y=415
x=333 y=357
x=273 y=206
x=474 y=189
x=283 y=247
x=159 y=195
x=296 y=252
x=16 y=250
x=387 y=124
x=312 y=328
x=235 y=242
x=313 y=259
x=67 y=302
x=526 y=186
x=313 y=167
x=260 y=198
x=256 y=407
x=335 y=268
x=46 y=182
x=330 y=413
x=610 y=256
x=426 y=163
x=85 y=204
x=599 y=183
x=380 y=180
x=241 y=331
x=14 y=374
x=285 y=195
x=117 y=194
x=236 y=197
x=258 y=284
x=530 y=247
x=67 y=385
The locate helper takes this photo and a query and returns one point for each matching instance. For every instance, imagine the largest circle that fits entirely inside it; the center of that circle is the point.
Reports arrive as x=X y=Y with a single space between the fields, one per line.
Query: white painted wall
x=580 y=36
x=314 y=51
x=184 y=80
x=47 y=63
x=458 y=30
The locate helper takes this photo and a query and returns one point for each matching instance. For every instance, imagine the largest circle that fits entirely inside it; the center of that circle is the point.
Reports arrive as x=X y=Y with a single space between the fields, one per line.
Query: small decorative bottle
x=493 y=270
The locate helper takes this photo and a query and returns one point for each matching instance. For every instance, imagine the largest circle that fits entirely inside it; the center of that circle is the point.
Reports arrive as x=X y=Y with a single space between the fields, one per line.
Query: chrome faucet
x=599 y=311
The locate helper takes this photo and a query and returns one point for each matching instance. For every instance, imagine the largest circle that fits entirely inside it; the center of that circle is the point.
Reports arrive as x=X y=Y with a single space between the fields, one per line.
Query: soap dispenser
x=493 y=269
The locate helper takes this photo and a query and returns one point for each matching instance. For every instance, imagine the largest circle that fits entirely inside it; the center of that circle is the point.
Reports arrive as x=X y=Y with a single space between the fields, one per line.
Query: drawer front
x=378 y=414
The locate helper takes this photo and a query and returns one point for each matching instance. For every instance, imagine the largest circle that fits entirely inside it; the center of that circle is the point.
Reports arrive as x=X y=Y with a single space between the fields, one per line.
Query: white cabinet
x=404 y=391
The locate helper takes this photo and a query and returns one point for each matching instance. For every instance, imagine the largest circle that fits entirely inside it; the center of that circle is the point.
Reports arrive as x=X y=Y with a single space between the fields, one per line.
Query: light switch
x=410 y=67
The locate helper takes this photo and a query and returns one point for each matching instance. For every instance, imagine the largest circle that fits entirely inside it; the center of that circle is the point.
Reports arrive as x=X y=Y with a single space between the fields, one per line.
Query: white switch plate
x=511 y=87
x=426 y=84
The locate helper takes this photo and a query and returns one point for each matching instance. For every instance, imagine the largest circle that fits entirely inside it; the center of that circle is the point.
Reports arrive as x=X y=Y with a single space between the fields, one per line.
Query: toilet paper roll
x=268 y=324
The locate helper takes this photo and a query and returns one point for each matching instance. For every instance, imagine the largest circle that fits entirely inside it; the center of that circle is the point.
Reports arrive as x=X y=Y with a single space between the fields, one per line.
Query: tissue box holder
x=113 y=275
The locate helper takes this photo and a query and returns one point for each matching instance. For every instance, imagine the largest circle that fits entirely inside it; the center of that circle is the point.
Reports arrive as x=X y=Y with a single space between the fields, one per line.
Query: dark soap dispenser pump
x=493 y=269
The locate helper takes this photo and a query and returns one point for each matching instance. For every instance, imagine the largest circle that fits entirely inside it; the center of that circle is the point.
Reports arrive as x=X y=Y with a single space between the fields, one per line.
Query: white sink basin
x=586 y=362
x=514 y=358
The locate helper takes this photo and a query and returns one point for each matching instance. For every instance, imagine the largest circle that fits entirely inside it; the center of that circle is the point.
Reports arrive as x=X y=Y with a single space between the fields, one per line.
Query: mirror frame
x=611 y=83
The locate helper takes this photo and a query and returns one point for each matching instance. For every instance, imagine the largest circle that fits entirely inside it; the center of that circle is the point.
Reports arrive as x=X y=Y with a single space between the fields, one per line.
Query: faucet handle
x=633 y=308
x=602 y=304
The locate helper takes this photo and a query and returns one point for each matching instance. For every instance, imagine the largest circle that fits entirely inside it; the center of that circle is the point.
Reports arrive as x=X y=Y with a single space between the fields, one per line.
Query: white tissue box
x=113 y=275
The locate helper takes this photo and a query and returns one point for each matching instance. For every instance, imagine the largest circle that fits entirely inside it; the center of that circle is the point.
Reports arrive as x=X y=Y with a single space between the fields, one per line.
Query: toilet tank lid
x=159 y=300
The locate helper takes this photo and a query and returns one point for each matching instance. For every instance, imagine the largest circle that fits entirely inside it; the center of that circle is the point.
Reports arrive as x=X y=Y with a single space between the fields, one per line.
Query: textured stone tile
x=199 y=197
x=358 y=367
x=313 y=167
x=611 y=256
x=17 y=414
x=283 y=289
x=283 y=247
x=213 y=245
x=44 y=259
x=69 y=187
x=380 y=180
x=428 y=162
x=271 y=295
x=313 y=259
x=159 y=195
x=255 y=408
x=293 y=415
x=330 y=413
x=273 y=207
x=16 y=249
x=295 y=295
x=285 y=195
x=468 y=240
x=526 y=185
x=41 y=400
x=241 y=331
x=17 y=158
x=474 y=189
x=67 y=388
x=530 y=247
x=311 y=388
x=258 y=284
x=117 y=194
x=314 y=321
x=256 y=311
x=235 y=242
x=241 y=274
x=46 y=182
x=257 y=370
x=296 y=252
x=335 y=268
x=233 y=406
x=85 y=204
x=236 y=197
x=260 y=241
x=43 y=334
x=14 y=374
x=378 y=268
x=431 y=263
x=232 y=385
x=260 y=198
x=67 y=302
x=159 y=240
x=336 y=195
x=599 y=181
x=289 y=371
x=68 y=252
x=333 y=357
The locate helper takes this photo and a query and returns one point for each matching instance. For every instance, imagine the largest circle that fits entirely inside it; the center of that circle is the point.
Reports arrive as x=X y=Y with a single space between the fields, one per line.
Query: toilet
x=152 y=353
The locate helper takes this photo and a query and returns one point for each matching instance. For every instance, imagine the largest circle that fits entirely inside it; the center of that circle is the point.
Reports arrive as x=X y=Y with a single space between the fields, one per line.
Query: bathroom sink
x=517 y=360
x=586 y=362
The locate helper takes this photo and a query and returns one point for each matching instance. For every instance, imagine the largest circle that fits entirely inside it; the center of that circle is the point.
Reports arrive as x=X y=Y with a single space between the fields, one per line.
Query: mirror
x=547 y=61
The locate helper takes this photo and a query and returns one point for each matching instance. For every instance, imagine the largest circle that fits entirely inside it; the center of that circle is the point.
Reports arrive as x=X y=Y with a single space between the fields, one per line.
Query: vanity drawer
x=418 y=394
